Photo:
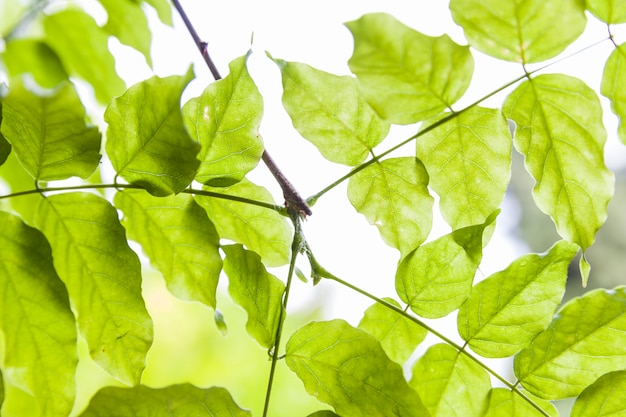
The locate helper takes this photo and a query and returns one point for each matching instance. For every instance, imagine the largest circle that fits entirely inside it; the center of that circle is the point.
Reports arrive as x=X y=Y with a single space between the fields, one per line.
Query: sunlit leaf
x=256 y=290
x=92 y=61
x=604 y=398
x=436 y=278
x=330 y=112
x=48 y=133
x=613 y=80
x=398 y=335
x=503 y=402
x=127 y=22
x=260 y=229
x=609 y=11
x=393 y=195
x=183 y=400
x=468 y=160
x=586 y=339
x=526 y=31
x=225 y=121
x=179 y=239
x=496 y=320
x=163 y=9
x=13 y=175
x=348 y=369
x=448 y=382
x=38 y=329
x=103 y=278
x=5 y=147
x=405 y=75
x=561 y=135
x=36 y=58
x=146 y=140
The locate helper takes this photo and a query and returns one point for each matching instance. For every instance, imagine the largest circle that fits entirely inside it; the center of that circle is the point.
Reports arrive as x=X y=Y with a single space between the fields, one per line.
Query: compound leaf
x=31 y=56
x=503 y=402
x=127 y=22
x=613 y=78
x=603 y=398
x=609 y=11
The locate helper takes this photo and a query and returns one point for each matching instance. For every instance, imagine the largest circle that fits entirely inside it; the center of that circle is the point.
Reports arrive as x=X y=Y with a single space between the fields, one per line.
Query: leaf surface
x=503 y=402
x=30 y=56
x=604 y=398
x=5 y=147
x=127 y=22
x=609 y=11
x=613 y=80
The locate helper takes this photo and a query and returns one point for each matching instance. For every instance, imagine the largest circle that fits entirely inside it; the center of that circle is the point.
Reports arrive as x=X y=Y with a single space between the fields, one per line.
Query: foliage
x=70 y=274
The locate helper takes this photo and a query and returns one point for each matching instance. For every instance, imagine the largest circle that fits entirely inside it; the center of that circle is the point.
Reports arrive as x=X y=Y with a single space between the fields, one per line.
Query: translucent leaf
x=503 y=402
x=261 y=230
x=613 y=80
x=561 y=135
x=30 y=56
x=586 y=339
x=38 y=329
x=49 y=134
x=405 y=75
x=146 y=139
x=609 y=11
x=103 y=278
x=468 y=160
x=393 y=195
x=436 y=278
x=448 y=382
x=172 y=401
x=604 y=398
x=163 y=9
x=527 y=31
x=92 y=61
x=256 y=290
x=330 y=112
x=496 y=320
x=348 y=369
x=13 y=175
x=225 y=121
x=397 y=335
x=180 y=240
x=127 y=22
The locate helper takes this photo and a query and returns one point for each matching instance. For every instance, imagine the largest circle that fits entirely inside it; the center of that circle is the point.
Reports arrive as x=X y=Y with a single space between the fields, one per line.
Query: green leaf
x=398 y=335
x=103 y=278
x=496 y=320
x=127 y=22
x=436 y=278
x=561 y=135
x=146 y=140
x=503 y=402
x=173 y=401
x=527 y=31
x=256 y=290
x=613 y=79
x=586 y=339
x=393 y=195
x=405 y=75
x=163 y=9
x=49 y=134
x=448 y=381
x=468 y=159
x=38 y=329
x=260 y=229
x=30 y=56
x=324 y=413
x=604 y=398
x=330 y=112
x=180 y=240
x=13 y=175
x=92 y=61
x=225 y=121
x=5 y=147
x=348 y=369
x=609 y=11
x=1 y=390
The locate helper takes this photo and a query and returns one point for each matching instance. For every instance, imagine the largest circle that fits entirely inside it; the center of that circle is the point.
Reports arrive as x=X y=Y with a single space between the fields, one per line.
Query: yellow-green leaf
x=34 y=57
x=609 y=11
x=503 y=402
x=613 y=81
x=605 y=398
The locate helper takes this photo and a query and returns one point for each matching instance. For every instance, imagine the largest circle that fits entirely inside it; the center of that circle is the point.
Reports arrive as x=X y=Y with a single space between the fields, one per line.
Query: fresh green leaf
x=103 y=278
x=177 y=236
x=5 y=147
x=163 y=9
x=436 y=278
x=609 y=11
x=13 y=175
x=260 y=229
x=256 y=290
x=330 y=112
x=65 y=32
x=398 y=335
x=561 y=135
x=225 y=121
x=127 y=22
x=527 y=31
x=173 y=401
x=146 y=139
x=348 y=369
x=586 y=339
x=48 y=133
x=468 y=160
x=503 y=402
x=407 y=76
x=496 y=320
x=604 y=398
x=613 y=79
x=448 y=381
x=30 y=56
x=393 y=195
x=38 y=329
